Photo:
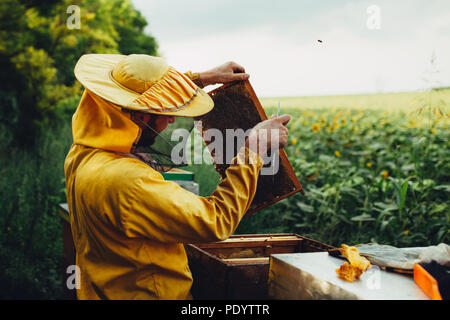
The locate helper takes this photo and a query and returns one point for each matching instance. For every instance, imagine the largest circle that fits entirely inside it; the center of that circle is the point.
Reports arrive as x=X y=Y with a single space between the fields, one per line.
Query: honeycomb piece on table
x=349 y=272
x=352 y=255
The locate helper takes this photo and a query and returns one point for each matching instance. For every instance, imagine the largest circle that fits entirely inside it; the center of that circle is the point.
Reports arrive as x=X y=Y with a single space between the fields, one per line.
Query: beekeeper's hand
x=227 y=72
x=269 y=134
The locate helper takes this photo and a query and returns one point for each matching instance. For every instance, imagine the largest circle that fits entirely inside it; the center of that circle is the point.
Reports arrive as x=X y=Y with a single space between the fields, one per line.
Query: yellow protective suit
x=128 y=223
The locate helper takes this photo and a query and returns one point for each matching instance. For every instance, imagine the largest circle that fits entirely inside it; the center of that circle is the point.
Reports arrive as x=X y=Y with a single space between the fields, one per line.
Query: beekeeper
x=128 y=223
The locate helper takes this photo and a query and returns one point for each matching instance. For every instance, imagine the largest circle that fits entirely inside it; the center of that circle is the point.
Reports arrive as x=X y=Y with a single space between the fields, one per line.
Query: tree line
x=38 y=51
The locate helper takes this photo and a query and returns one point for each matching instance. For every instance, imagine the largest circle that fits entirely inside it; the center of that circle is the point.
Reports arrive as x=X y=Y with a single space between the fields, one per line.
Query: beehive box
x=238 y=268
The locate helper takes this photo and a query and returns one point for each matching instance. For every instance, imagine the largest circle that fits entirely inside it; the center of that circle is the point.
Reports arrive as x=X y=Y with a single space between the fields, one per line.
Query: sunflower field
x=370 y=175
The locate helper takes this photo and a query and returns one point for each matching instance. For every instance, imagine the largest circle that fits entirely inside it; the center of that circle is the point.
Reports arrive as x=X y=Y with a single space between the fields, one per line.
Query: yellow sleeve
x=163 y=211
x=195 y=77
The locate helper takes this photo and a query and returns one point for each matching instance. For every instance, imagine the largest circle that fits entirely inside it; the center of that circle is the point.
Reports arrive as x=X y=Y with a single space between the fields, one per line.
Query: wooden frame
x=239 y=100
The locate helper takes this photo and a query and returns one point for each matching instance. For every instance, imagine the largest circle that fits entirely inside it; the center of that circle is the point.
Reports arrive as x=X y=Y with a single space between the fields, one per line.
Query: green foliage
x=31 y=186
x=369 y=176
x=38 y=96
x=38 y=53
x=130 y=28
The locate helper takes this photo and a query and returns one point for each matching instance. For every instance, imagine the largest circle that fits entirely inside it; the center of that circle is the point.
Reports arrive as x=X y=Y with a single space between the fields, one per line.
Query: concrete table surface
x=313 y=276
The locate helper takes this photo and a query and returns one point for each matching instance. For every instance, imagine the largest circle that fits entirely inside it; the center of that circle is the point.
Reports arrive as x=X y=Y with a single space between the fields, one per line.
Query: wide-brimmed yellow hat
x=142 y=83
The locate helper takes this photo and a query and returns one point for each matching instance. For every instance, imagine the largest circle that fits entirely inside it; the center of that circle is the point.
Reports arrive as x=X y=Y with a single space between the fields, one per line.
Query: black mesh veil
x=170 y=148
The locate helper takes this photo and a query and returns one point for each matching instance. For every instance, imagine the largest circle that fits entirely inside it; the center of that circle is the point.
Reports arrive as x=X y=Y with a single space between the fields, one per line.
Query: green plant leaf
x=305 y=207
x=403 y=195
x=439 y=208
x=363 y=217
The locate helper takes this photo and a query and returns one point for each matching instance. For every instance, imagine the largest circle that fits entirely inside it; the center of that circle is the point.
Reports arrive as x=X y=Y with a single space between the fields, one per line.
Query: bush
x=31 y=186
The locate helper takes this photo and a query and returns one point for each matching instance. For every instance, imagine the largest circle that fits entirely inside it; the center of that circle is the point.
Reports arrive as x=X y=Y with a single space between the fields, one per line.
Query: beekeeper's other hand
x=224 y=73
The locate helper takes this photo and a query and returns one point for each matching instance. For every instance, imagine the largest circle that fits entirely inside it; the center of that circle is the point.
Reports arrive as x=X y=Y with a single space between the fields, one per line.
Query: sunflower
x=315 y=128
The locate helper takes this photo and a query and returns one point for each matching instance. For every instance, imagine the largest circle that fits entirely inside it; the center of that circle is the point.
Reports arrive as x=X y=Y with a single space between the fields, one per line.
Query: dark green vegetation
x=38 y=96
x=38 y=53
x=31 y=186
x=369 y=176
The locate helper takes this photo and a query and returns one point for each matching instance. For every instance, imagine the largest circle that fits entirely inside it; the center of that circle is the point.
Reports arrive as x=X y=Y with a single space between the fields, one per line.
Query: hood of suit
x=98 y=123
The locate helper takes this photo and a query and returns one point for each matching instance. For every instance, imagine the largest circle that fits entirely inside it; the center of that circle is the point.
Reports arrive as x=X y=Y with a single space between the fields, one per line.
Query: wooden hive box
x=238 y=268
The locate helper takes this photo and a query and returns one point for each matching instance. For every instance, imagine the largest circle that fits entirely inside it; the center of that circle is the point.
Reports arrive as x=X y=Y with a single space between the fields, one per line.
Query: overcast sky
x=277 y=42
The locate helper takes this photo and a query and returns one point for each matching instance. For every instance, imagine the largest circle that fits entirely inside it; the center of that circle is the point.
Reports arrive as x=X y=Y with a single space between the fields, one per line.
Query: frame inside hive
x=237 y=106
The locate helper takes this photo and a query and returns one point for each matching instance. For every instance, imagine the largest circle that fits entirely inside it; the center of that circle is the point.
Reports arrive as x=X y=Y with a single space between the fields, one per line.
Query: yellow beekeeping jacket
x=128 y=223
